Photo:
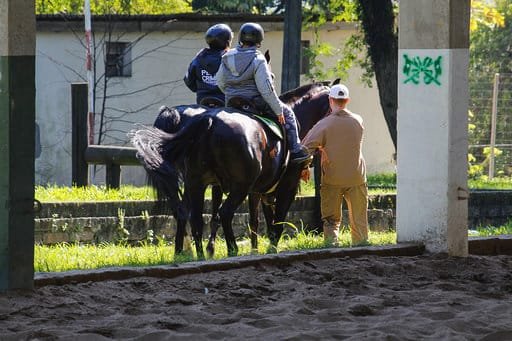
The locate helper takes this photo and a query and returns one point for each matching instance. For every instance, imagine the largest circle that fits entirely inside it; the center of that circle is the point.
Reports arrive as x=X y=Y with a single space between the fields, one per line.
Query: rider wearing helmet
x=244 y=72
x=200 y=77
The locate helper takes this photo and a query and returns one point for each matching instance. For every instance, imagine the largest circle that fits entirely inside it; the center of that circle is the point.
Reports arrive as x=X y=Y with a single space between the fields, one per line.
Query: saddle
x=263 y=115
x=211 y=102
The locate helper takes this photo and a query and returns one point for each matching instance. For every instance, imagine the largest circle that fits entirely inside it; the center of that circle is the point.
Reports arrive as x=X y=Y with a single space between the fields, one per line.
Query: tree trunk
x=378 y=21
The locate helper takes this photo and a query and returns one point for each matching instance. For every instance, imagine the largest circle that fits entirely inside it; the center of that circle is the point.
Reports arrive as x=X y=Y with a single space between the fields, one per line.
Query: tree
x=238 y=6
x=379 y=38
x=114 y=6
x=490 y=53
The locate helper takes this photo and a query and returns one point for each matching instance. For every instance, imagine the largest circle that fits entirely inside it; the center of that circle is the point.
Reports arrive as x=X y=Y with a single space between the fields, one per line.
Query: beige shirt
x=340 y=136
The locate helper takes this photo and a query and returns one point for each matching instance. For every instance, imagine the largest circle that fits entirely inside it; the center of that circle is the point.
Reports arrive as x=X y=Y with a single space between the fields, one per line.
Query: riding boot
x=298 y=153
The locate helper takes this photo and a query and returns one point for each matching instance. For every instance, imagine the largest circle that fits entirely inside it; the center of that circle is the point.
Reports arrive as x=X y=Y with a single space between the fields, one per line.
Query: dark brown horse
x=224 y=147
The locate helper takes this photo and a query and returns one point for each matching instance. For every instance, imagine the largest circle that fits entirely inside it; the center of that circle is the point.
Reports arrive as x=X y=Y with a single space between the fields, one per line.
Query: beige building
x=156 y=53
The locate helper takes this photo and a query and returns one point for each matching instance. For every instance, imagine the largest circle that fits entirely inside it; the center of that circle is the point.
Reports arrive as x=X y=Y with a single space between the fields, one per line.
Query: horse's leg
x=195 y=196
x=180 y=214
x=226 y=212
x=215 y=222
x=285 y=195
x=269 y=213
x=254 y=201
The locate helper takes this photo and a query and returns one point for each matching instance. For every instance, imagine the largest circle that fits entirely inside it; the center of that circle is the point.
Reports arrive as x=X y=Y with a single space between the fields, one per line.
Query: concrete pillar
x=17 y=131
x=432 y=124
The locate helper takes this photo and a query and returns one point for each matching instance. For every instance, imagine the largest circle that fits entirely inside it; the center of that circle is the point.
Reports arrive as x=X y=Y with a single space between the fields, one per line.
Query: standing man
x=244 y=72
x=200 y=77
x=339 y=138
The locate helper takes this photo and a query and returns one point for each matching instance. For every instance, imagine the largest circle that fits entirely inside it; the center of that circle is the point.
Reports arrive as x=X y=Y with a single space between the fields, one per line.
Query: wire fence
x=490 y=125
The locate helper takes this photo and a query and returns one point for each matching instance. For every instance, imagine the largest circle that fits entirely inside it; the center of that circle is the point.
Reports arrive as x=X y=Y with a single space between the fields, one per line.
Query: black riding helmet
x=219 y=36
x=251 y=34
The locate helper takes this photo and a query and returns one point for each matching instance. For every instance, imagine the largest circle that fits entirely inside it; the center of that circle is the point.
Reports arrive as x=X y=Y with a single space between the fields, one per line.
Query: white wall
x=60 y=61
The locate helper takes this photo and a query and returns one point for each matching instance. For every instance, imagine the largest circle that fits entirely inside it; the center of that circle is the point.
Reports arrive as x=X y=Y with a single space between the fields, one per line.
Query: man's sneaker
x=299 y=156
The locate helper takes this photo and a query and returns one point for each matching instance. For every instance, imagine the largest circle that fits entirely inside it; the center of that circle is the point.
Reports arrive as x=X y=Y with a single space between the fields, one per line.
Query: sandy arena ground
x=429 y=297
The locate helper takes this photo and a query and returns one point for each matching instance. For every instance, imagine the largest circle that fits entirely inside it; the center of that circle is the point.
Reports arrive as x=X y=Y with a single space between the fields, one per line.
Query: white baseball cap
x=339 y=91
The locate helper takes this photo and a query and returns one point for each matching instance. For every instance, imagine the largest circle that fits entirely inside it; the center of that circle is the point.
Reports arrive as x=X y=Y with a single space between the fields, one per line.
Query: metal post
x=291 y=45
x=494 y=115
x=17 y=143
x=80 y=168
x=317 y=210
x=113 y=176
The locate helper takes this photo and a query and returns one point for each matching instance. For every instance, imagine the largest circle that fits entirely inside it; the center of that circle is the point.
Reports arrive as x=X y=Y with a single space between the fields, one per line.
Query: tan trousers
x=331 y=205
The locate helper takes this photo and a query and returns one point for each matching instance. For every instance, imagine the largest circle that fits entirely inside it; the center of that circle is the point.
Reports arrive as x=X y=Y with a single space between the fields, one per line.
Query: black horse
x=230 y=149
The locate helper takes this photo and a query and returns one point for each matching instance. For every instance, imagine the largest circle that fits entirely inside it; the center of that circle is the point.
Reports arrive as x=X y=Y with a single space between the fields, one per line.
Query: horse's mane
x=294 y=94
x=304 y=92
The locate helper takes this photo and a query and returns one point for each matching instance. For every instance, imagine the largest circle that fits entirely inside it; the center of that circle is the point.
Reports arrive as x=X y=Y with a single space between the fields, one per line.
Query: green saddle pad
x=273 y=126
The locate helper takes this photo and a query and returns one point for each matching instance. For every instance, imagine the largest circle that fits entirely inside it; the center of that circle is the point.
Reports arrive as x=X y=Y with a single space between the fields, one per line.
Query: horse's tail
x=162 y=174
x=177 y=146
x=168 y=119
x=163 y=154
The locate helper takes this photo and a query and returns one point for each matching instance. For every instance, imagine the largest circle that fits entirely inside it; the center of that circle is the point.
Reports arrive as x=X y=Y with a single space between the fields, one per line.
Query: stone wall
x=130 y=220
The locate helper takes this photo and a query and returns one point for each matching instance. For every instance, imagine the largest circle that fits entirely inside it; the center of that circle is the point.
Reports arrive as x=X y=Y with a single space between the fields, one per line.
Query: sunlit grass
x=486 y=231
x=128 y=192
x=53 y=193
x=65 y=257
x=495 y=183
x=380 y=183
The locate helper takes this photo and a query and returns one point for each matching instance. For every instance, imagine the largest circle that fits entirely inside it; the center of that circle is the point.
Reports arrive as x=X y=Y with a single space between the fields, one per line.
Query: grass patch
x=500 y=183
x=487 y=231
x=54 y=193
x=382 y=183
x=65 y=257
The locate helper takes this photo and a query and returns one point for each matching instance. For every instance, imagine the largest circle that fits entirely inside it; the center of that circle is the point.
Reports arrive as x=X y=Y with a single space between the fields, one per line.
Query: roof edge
x=192 y=22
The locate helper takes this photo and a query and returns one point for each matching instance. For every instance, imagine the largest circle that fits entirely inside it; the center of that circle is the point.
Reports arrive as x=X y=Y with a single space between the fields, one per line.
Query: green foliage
x=382 y=179
x=477 y=168
x=113 y=6
x=485 y=13
x=237 y=6
x=348 y=53
x=490 y=53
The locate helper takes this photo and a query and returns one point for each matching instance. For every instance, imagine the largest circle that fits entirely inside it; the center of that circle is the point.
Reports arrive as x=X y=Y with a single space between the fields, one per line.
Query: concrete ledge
x=477 y=246
x=501 y=245
x=171 y=271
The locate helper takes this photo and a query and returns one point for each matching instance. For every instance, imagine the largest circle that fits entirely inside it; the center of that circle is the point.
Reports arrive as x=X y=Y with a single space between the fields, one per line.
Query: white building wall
x=160 y=61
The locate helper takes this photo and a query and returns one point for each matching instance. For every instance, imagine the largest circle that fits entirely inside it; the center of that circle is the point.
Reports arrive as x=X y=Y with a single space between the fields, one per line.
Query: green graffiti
x=416 y=67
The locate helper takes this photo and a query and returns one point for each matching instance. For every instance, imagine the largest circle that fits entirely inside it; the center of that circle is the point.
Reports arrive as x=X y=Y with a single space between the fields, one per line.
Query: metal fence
x=490 y=138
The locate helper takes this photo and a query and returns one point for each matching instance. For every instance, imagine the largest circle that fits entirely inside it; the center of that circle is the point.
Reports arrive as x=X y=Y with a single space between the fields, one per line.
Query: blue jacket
x=200 y=77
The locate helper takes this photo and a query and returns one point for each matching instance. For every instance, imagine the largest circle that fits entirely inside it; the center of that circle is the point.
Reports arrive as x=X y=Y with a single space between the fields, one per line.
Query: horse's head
x=310 y=103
